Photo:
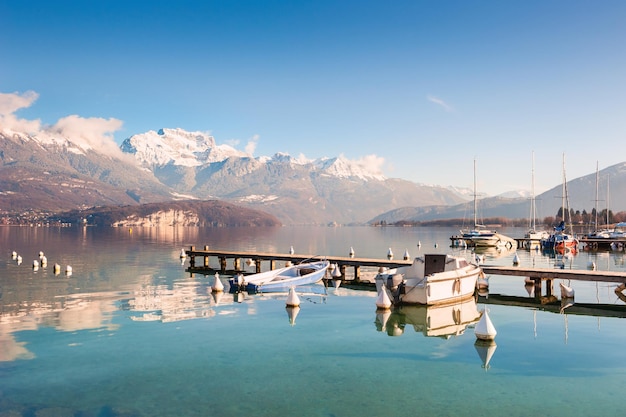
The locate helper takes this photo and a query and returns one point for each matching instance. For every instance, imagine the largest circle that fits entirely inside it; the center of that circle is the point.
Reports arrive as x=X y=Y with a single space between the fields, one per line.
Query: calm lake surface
x=131 y=333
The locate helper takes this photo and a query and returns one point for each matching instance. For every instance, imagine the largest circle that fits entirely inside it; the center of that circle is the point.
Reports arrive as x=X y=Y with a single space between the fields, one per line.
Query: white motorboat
x=280 y=280
x=431 y=279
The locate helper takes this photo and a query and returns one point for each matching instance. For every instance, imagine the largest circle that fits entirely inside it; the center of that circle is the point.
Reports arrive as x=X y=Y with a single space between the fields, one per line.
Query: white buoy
x=292 y=298
x=351 y=254
x=419 y=244
x=336 y=272
x=35 y=263
x=390 y=254
x=217 y=283
x=57 y=269
x=591 y=265
x=40 y=254
x=183 y=254
x=484 y=329
x=292 y=313
x=19 y=259
x=515 y=260
x=68 y=270
x=482 y=282
x=406 y=255
x=383 y=301
x=291 y=251
x=250 y=262
x=14 y=255
x=566 y=292
x=436 y=245
x=44 y=261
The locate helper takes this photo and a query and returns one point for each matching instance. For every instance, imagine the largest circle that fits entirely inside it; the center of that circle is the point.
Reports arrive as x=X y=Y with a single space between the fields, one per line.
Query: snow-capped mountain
x=297 y=190
x=177 y=147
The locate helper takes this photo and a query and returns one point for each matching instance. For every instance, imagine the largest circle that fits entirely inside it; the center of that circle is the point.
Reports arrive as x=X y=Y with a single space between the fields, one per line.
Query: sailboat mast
x=563 y=191
x=597 y=185
x=475 y=203
x=533 y=211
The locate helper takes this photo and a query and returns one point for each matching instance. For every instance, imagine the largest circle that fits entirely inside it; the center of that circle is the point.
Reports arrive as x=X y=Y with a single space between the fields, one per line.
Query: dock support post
x=342 y=269
x=258 y=266
x=222 y=264
x=549 y=287
x=272 y=264
x=192 y=257
x=237 y=264
x=206 y=257
x=357 y=273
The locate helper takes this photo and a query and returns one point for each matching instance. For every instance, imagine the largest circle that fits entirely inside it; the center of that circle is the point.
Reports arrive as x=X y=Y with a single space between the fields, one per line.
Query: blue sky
x=426 y=86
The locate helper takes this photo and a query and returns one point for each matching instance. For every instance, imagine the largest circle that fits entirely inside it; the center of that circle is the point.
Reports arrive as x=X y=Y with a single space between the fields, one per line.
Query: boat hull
x=415 y=284
x=297 y=275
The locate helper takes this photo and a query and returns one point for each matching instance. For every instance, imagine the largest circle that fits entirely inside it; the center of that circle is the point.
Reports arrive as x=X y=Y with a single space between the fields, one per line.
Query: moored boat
x=431 y=279
x=282 y=279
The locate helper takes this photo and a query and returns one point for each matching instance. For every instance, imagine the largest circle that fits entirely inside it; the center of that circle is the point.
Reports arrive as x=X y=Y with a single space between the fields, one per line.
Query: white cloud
x=251 y=145
x=92 y=132
x=372 y=163
x=88 y=133
x=12 y=102
x=441 y=103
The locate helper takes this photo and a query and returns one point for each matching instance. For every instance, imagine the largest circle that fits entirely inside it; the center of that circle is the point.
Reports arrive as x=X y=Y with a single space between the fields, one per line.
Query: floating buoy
x=57 y=269
x=591 y=265
x=515 y=260
x=419 y=243
x=483 y=282
x=292 y=313
x=406 y=254
x=19 y=259
x=217 y=296
x=183 y=254
x=390 y=254
x=383 y=301
x=291 y=251
x=351 y=254
x=44 y=261
x=217 y=283
x=14 y=255
x=436 y=245
x=68 y=270
x=566 y=292
x=250 y=262
x=35 y=264
x=40 y=254
x=336 y=272
x=292 y=298
x=484 y=329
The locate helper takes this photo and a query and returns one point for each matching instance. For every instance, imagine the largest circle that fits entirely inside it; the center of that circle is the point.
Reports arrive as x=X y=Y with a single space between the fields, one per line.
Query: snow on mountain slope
x=177 y=147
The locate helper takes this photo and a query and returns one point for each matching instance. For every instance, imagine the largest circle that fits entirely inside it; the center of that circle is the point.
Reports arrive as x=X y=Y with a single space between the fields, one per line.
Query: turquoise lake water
x=132 y=333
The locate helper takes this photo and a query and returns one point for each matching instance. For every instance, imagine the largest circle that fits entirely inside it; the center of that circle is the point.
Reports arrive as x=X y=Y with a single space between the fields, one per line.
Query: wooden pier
x=272 y=258
x=538 y=275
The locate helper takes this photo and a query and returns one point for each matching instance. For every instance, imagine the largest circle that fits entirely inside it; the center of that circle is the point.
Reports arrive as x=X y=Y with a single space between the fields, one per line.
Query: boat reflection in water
x=442 y=321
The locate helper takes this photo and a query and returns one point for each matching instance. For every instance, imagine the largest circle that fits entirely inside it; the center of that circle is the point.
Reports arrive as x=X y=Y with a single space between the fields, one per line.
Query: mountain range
x=55 y=173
